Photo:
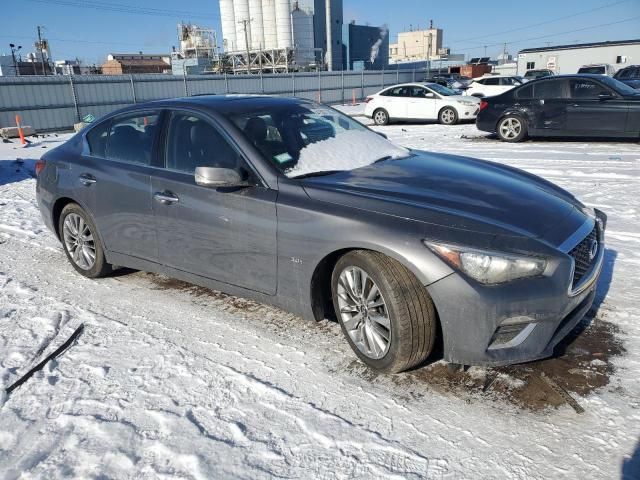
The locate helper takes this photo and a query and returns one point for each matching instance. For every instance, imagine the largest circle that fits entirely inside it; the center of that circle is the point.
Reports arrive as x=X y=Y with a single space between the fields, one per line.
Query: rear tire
x=401 y=319
x=448 y=116
x=81 y=243
x=512 y=128
x=381 y=117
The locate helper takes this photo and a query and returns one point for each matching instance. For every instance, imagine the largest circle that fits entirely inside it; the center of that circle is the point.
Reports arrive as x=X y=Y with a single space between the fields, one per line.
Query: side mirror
x=216 y=177
x=429 y=95
x=606 y=96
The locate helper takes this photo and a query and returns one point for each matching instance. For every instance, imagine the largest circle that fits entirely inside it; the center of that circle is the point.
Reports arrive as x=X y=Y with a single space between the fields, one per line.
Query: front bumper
x=515 y=322
x=468 y=112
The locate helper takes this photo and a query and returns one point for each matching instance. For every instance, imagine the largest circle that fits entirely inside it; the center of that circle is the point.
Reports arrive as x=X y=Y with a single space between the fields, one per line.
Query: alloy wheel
x=448 y=116
x=380 y=117
x=79 y=242
x=510 y=128
x=363 y=312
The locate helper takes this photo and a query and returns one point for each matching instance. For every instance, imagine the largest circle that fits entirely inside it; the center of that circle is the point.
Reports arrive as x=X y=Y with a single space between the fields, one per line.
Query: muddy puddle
x=582 y=363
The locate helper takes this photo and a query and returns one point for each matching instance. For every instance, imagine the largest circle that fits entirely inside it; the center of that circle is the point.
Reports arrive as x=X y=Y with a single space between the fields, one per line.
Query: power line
x=609 y=5
x=94 y=42
x=551 y=34
x=123 y=8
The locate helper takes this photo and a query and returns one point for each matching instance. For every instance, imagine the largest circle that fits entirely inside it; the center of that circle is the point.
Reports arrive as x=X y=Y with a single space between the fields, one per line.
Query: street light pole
x=16 y=70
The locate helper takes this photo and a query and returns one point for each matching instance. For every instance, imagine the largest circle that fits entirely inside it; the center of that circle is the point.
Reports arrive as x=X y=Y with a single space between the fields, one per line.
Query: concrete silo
x=257 y=28
x=269 y=24
x=283 y=24
x=243 y=24
x=228 y=20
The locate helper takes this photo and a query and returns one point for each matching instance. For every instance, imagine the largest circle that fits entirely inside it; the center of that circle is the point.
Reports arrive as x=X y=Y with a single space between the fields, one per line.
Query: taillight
x=40 y=166
x=368 y=99
x=483 y=104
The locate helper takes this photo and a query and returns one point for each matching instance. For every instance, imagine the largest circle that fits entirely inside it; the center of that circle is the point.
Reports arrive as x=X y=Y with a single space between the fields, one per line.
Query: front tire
x=81 y=243
x=512 y=128
x=448 y=116
x=385 y=313
x=381 y=117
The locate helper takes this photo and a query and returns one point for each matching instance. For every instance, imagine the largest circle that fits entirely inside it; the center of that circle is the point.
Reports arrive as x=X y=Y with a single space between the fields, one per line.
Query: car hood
x=464 y=98
x=456 y=192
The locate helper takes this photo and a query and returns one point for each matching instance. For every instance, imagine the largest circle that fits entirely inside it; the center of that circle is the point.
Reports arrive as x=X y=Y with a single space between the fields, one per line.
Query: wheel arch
x=320 y=283
x=512 y=111
x=451 y=106
x=377 y=109
x=56 y=211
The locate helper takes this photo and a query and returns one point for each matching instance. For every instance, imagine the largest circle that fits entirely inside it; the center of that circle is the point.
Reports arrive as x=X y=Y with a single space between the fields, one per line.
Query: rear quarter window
x=525 y=92
x=97 y=139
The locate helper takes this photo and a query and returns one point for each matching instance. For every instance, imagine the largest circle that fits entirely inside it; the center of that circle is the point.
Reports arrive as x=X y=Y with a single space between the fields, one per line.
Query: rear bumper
x=515 y=322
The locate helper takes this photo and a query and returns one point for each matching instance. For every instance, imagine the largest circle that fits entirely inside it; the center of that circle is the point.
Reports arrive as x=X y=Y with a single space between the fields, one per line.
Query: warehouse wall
x=570 y=60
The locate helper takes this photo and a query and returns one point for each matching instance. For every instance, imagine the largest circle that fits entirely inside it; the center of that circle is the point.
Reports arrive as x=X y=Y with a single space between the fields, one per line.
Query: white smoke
x=375 y=49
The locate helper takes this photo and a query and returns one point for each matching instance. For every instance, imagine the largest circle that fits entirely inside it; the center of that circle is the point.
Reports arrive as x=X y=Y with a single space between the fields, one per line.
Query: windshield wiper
x=321 y=173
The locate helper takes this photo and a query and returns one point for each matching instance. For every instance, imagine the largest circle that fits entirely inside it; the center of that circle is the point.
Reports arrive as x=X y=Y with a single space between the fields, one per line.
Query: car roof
x=227 y=103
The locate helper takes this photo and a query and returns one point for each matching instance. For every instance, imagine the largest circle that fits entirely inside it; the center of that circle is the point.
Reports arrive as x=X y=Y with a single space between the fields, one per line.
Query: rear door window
x=550 y=89
x=131 y=138
x=97 y=139
x=492 y=81
x=586 y=89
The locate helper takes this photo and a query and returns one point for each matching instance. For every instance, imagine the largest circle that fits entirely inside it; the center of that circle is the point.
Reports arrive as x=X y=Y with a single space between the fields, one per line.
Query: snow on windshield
x=348 y=150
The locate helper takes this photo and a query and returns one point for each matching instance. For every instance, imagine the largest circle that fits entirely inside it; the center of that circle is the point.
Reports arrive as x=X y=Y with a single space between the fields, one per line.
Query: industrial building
x=125 y=63
x=198 y=51
x=367 y=47
x=281 y=35
x=569 y=58
x=417 y=45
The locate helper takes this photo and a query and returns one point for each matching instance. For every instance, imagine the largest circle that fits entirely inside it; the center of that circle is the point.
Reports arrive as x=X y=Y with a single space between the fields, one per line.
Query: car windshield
x=440 y=90
x=619 y=86
x=592 y=70
x=303 y=139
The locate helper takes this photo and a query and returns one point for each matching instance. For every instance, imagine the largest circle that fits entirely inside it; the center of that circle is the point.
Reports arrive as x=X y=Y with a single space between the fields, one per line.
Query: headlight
x=468 y=104
x=489 y=267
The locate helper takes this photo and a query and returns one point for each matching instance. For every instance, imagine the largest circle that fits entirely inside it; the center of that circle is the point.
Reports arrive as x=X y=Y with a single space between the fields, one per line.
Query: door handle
x=166 y=198
x=87 y=179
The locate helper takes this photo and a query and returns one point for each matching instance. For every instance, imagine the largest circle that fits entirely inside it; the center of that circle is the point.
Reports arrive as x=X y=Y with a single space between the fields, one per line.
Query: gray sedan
x=293 y=203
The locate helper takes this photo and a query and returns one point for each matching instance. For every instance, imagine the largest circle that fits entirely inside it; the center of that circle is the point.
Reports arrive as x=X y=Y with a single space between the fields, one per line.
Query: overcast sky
x=93 y=31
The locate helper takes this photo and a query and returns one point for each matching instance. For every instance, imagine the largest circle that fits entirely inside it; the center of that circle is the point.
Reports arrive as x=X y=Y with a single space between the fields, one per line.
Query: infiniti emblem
x=593 y=249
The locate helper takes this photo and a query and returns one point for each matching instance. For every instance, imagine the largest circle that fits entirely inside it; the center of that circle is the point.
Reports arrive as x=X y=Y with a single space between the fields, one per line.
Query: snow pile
x=173 y=381
x=348 y=150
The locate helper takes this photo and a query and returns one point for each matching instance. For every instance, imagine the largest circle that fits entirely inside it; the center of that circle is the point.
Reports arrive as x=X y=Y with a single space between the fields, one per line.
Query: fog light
x=510 y=334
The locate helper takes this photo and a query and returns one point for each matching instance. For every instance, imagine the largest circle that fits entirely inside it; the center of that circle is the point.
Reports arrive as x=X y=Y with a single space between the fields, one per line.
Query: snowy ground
x=169 y=380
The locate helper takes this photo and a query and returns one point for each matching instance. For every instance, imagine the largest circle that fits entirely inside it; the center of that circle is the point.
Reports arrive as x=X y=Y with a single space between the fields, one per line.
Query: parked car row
x=588 y=105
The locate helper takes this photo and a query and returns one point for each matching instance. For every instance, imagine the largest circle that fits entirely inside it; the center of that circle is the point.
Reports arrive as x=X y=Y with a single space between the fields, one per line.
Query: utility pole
x=245 y=24
x=329 y=27
x=41 y=48
x=504 y=53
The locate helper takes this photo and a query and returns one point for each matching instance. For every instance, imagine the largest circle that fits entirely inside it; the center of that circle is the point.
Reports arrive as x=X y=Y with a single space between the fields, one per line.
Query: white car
x=598 y=69
x=420 y=101
x=490 y=85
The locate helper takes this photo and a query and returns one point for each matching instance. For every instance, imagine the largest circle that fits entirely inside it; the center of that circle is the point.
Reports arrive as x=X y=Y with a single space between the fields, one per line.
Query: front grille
x=581 y=255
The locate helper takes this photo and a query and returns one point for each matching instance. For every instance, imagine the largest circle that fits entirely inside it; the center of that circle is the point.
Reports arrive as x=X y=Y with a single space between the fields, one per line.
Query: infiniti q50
x=295 y=204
